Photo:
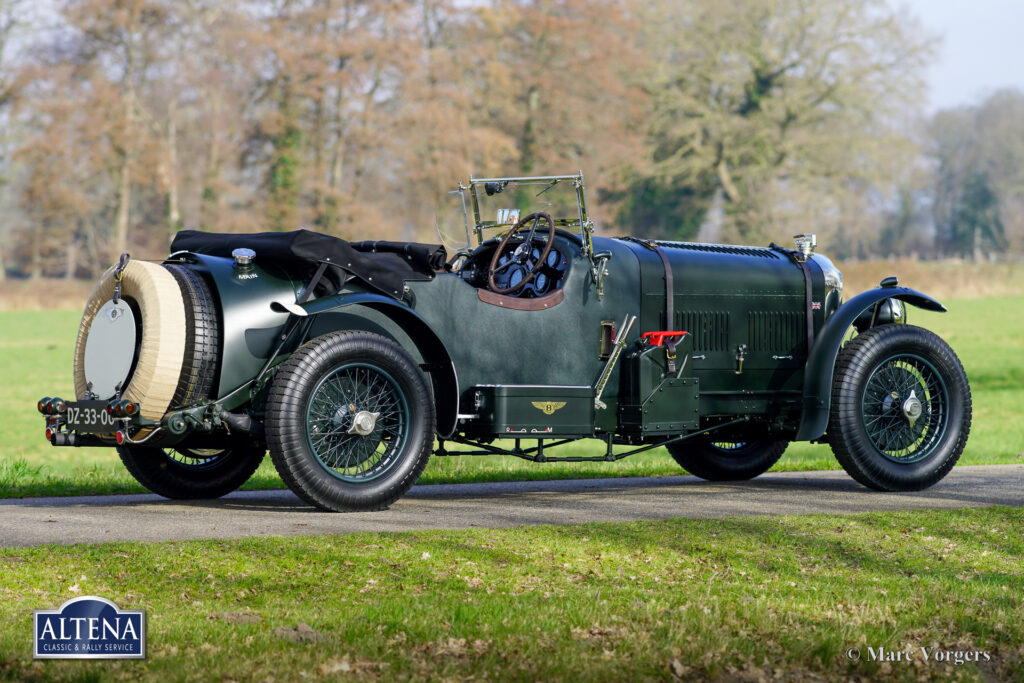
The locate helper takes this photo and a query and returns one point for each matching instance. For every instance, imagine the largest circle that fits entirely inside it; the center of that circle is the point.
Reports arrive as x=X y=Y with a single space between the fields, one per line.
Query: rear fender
x=822 y=361
x=429 y=345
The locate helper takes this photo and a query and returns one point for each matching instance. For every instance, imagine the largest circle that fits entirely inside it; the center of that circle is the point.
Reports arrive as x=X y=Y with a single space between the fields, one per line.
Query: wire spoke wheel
x=728 y=460
x=901 y=408
x=905 y=408
x=729 y=446
x=358 y=422
x=350 y=421
x=196 y=458
x=184 y=473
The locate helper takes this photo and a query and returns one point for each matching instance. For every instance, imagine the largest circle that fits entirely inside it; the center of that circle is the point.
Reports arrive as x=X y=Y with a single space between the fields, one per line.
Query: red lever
x=658 y=338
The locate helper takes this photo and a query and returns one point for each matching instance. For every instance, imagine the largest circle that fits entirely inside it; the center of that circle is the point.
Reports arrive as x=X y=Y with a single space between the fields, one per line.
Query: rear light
x=122 y=408
x=41 y=405
x=58 y=405
x=120 y=438
x=49 y=434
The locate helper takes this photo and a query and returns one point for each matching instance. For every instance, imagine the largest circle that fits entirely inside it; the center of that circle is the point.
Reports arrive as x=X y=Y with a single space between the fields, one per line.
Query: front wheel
x=726 y=460
x=901 y=408
x=191 y=473
x=350 y=423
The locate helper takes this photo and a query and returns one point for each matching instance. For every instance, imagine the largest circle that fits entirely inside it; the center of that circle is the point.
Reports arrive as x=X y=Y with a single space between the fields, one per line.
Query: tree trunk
x=725 y=179
x=331 y=218
x=211 y=199
x=359 y=166
x=173 y=212
x=71 y=259
x=124 y=194
x=124 y=197
x=36 y=258
x=95 y=259
x=319 y=138
x=528 y=160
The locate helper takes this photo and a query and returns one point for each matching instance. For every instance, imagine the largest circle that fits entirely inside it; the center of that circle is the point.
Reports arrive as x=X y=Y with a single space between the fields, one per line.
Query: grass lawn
x=35 y=360
x=740 y=598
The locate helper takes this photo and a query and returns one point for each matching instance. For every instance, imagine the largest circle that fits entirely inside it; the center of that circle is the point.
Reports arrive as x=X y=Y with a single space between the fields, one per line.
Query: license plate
x=89 y=417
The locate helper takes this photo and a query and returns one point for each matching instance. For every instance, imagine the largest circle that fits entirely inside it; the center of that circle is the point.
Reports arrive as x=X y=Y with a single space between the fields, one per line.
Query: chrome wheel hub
x=363 y=423
x=912 y=408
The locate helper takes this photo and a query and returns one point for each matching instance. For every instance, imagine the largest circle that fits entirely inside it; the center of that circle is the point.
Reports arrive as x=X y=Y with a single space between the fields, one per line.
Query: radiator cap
x=805 y=243
x=243 y=256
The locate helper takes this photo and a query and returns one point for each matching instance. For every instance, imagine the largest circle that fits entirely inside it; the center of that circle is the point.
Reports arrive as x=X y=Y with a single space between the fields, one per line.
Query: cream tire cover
x=162 y=348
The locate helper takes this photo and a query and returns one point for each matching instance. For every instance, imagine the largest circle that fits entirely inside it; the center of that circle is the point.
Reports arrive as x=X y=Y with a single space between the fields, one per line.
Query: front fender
x=442 y=369
x=822 y=360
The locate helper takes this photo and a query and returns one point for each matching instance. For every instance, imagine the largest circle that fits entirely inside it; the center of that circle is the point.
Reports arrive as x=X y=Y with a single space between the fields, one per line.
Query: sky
x=981 y=48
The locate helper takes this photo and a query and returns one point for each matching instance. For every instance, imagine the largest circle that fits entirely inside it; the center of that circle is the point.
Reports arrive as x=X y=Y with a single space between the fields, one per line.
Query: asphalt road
x=100 y=519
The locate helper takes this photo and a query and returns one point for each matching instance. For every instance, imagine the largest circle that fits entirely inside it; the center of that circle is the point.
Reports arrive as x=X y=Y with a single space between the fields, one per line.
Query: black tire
x=189 y=473
x=202 y=338
x=733 y=461
x=322 y=394
x=873 y=436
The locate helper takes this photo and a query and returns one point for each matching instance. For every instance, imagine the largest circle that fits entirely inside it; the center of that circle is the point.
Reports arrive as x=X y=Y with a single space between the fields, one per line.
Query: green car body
x=572 y=359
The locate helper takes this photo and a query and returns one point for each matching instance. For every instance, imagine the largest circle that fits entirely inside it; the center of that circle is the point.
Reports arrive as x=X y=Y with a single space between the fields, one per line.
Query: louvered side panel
x=709 y=329
x=774 y=331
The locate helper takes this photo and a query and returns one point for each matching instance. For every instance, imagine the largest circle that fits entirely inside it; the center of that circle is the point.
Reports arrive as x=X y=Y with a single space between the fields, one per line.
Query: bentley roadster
x=353 y=363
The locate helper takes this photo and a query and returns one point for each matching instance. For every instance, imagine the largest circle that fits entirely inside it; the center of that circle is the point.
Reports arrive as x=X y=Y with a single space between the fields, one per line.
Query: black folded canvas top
x=385 y=266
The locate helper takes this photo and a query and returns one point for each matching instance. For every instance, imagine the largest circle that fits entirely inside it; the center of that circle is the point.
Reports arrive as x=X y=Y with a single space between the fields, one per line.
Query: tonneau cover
x=385 y=266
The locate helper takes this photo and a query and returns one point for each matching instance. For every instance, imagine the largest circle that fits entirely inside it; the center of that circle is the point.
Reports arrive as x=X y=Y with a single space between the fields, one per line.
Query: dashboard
x=515 y=265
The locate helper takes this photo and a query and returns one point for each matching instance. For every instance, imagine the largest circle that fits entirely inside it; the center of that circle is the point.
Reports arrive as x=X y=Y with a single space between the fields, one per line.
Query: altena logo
x=89 y=627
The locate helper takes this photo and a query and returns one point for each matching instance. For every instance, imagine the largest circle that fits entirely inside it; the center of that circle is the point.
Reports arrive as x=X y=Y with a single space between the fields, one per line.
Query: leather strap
x=670 y=323
x=670 y=344
x=801 y=261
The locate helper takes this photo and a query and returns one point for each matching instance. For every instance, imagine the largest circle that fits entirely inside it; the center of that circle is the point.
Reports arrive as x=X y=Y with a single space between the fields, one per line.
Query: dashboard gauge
x=516 y=278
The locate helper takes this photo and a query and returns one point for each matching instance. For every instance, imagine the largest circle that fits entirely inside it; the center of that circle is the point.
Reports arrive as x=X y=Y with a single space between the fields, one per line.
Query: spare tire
x=159 y=344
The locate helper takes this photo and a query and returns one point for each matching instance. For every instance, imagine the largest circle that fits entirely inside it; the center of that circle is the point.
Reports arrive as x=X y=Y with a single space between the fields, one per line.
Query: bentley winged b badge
x=548 y=407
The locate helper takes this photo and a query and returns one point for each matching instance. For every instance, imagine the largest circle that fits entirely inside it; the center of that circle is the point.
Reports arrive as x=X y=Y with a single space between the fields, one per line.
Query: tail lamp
x=122 y=408
x=51 y=406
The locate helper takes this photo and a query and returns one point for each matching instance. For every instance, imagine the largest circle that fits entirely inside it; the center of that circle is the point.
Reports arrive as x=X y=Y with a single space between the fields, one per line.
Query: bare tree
x=11 y=14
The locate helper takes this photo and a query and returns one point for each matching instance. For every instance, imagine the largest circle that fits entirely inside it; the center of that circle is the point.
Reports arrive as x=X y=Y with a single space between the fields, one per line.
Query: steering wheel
x=522 y=252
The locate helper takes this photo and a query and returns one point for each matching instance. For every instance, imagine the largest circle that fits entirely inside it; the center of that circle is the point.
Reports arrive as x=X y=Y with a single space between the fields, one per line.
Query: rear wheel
x=727 y=460
x=191 y=473
x=350 y=422
x=901 y=408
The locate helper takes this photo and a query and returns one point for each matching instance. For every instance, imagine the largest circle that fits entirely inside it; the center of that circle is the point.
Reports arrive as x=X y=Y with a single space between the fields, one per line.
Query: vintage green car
x=354 y=362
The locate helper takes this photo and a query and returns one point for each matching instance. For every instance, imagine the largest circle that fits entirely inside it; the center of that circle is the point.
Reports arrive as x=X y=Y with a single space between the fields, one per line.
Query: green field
x=737 y=599
x=35 y=360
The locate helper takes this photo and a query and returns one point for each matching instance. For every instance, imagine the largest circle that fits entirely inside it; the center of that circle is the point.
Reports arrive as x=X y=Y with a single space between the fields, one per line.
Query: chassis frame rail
x=536 y=453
